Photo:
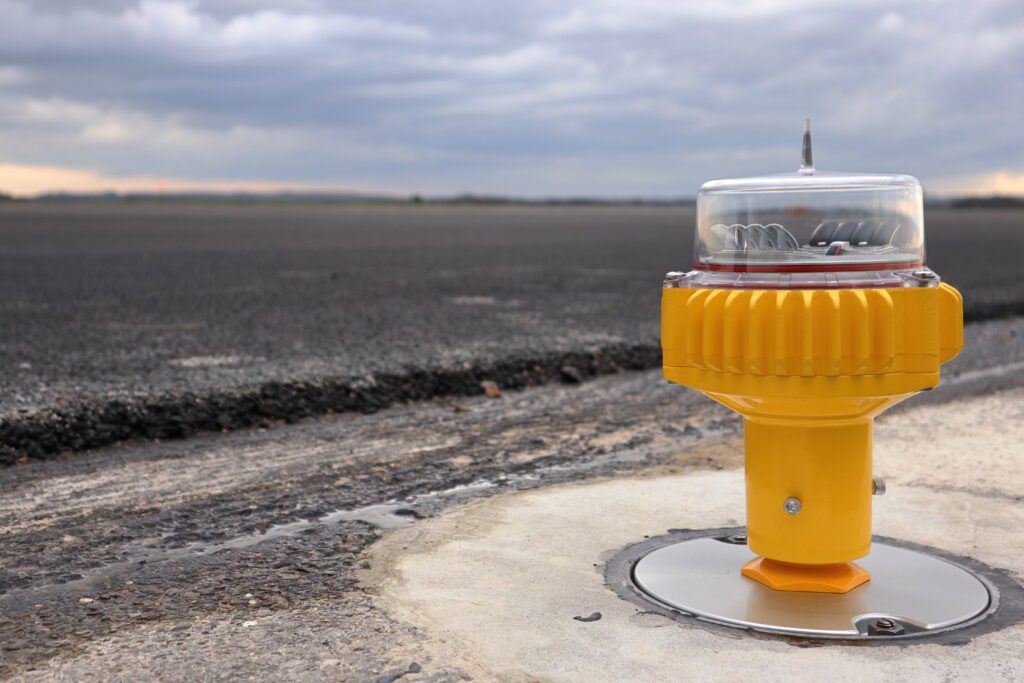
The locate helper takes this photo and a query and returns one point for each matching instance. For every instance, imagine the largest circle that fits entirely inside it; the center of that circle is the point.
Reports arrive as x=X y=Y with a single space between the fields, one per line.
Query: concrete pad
x=494 y=586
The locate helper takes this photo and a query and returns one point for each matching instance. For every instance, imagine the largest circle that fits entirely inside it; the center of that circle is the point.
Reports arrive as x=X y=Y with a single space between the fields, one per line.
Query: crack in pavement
x=986 y=492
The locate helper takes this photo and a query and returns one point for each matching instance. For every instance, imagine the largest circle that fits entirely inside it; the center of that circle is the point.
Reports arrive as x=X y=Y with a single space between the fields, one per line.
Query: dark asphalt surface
x=123 y=320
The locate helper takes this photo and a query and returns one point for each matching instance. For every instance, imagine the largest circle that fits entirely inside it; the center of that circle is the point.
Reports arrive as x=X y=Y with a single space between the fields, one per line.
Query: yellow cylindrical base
x=826 y=467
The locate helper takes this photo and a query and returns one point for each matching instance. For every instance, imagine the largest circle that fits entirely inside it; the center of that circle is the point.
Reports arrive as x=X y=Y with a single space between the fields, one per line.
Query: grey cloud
x=616 y=97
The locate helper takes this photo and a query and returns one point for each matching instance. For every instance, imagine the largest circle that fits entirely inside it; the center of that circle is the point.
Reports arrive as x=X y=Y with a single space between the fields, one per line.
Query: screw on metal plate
x=737 y=539
x=876 y=625
x=877 y=486
x=792 y=506
x=885 y=627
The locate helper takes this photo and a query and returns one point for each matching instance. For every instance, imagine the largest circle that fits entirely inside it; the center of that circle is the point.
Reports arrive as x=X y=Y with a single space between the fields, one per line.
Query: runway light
x=809 y=310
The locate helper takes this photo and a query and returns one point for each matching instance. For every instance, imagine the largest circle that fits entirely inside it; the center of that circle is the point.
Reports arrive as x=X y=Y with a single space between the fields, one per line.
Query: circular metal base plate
x=915 y=592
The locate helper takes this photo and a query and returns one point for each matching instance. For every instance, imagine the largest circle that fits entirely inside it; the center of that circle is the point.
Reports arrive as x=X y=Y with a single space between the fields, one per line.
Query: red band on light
x=807 y=268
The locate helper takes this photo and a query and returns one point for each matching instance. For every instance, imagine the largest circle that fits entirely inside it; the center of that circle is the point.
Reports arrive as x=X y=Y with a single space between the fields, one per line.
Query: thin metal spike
x=807 y=156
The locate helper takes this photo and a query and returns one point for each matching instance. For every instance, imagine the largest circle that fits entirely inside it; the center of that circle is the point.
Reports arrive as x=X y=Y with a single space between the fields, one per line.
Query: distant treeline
x=994 y=202
x=340 y=198
x=988 y=203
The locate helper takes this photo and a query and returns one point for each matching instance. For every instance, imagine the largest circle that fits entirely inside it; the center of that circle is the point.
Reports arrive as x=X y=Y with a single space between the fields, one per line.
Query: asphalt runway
x=156 y=320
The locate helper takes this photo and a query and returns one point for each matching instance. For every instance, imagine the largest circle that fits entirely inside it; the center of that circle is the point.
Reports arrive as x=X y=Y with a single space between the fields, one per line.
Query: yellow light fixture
x=809 y=311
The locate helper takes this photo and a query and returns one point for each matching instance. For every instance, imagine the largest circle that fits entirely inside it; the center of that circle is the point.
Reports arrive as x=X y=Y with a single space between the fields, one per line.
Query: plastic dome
x=809 y=229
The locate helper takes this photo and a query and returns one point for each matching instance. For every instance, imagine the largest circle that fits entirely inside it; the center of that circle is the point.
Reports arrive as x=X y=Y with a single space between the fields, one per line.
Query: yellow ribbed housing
x=809 y=370
x=811 y=332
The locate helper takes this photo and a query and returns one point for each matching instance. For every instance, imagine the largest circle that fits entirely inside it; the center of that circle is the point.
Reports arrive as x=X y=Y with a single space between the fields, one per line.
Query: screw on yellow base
x=828 y=578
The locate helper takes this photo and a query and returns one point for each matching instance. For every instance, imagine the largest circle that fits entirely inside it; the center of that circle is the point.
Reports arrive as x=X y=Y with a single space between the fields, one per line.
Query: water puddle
x=389 y=515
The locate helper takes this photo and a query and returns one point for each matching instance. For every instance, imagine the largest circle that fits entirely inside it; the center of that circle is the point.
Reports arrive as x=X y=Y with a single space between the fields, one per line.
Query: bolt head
x=673 y=279
x=792 y=506
x=886 y=627
x=925 y=277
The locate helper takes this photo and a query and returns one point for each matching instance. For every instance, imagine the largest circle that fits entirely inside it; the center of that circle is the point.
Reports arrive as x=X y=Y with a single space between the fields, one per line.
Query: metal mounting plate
x=920 y=594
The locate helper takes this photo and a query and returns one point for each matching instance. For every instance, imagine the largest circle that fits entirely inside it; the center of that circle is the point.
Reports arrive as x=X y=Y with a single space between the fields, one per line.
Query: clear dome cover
x=809 y=228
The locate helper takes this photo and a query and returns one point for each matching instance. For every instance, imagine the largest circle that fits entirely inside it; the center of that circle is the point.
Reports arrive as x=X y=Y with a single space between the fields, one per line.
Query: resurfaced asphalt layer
x=126 y=321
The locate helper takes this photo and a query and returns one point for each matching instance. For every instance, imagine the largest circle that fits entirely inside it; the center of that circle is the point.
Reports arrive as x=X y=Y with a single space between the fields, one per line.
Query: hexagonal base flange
x=828 y=578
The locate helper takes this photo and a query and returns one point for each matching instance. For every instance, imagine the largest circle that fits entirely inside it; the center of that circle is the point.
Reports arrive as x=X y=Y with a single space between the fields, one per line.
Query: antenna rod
x=806 y=156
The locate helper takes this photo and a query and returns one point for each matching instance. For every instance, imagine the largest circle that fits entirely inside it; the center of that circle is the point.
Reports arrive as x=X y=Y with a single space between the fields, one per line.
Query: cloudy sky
x=524 y=97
